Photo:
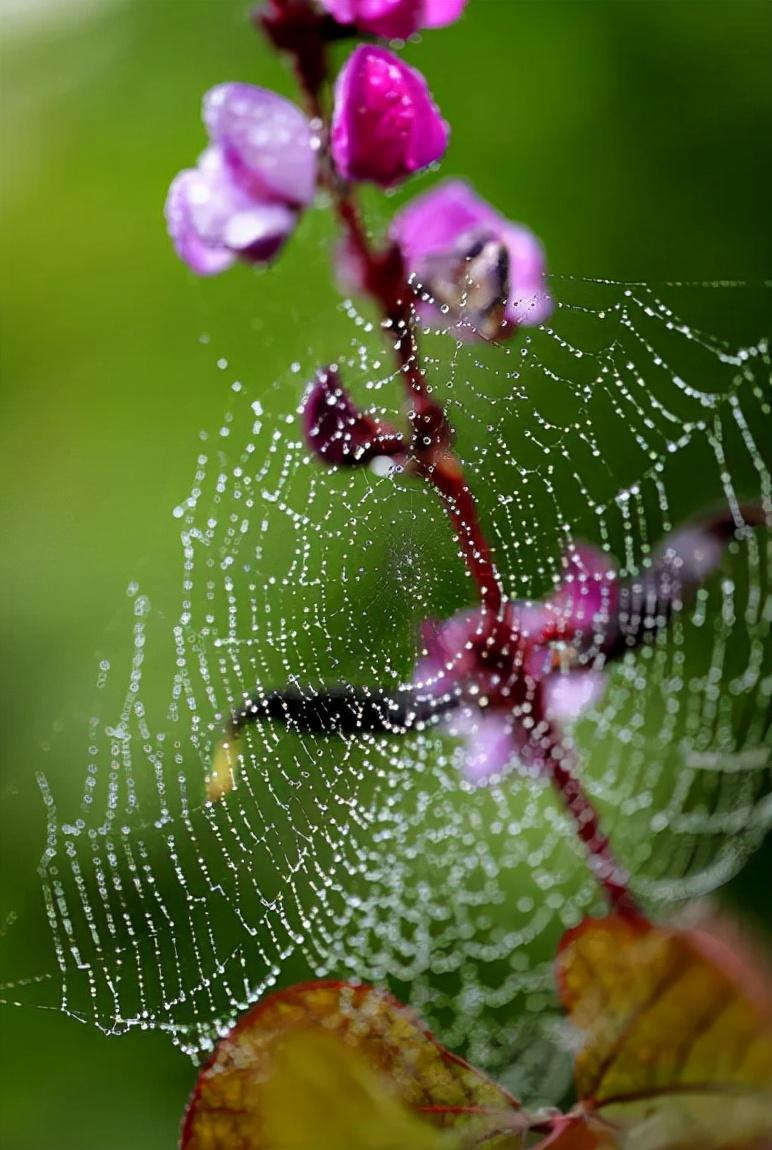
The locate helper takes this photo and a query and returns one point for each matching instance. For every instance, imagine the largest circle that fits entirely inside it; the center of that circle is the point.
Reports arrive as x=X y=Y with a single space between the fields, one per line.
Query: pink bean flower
x=385 y=125
x=394 y=18
x=483 y=274
x=244 y=197
x=517 y=678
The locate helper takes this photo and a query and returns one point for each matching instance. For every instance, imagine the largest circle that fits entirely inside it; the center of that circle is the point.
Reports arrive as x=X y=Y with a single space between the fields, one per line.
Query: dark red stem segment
x=433 y=458
x=603 y=864
x=445 y=473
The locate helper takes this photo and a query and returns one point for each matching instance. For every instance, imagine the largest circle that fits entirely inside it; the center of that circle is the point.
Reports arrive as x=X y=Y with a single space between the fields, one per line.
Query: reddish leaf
x=347 y=1057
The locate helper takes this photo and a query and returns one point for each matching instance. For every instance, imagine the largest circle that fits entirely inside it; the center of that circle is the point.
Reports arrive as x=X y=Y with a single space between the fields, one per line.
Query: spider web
x=371 y=858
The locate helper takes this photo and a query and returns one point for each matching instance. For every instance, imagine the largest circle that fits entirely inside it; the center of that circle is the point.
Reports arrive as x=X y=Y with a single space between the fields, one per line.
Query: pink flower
x=518 y=677
x=385 y=125
x=394 y=18
x=338 y=432
x=484 y=270
x=243 y=199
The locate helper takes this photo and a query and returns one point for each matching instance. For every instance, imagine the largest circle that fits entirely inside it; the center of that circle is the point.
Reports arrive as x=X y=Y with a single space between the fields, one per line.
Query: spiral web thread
x=370 y=858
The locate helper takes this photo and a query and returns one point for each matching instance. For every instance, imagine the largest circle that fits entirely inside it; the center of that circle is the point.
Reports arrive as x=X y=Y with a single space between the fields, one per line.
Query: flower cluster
x=245 y=195
x=518 y=677
x=469 y=266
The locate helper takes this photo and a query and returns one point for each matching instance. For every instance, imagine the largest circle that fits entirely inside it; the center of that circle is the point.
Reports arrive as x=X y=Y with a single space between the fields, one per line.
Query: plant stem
x=385 y=281
x=433 y=457
x=606 y=869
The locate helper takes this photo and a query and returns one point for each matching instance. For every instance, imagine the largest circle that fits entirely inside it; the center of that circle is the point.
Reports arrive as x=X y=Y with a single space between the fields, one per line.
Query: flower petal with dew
x=266 y=138
x=394 y=19
x=587 y=599
x=445 y=224
x=489 y=741
x=440 y=13
x=243 y=199
x=385 y=125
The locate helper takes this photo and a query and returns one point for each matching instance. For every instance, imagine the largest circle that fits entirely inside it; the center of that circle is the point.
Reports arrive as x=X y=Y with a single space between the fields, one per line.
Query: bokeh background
x=632 y=135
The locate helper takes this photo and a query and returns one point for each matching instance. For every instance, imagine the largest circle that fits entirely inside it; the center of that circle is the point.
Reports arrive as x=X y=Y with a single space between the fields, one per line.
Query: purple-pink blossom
x=517 y=677
x=484 y=271
x=394 y=18
x=507 y=685
x=244 y=197
x=385 y=125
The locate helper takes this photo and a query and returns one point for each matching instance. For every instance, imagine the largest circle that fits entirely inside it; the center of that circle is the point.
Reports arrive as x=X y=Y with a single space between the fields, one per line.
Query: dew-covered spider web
x=369 y=858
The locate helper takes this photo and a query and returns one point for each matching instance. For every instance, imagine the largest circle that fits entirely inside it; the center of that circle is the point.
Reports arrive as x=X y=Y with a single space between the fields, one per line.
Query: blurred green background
x=633 y=136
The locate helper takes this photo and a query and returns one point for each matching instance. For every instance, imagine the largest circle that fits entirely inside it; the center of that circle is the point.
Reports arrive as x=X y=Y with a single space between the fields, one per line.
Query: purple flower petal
x=212 y=220
x=392 y=19
x=198 y=206
x=442 y=220
x=490 y=742
x=528 y=303
x=439 y=13
x=449 y=647
x=433 y=221
x=243 y=198
x=385 y=125
x=568 y=694
x=266 y=139
x=587 y=600
x=258 y=232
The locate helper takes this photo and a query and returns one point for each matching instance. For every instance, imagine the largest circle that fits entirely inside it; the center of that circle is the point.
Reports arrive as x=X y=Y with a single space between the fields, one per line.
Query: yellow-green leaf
x=676 y=1033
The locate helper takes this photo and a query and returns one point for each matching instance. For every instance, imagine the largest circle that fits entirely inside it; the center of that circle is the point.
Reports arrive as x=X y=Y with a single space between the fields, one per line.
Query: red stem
x=607 y=870
x=433 y=457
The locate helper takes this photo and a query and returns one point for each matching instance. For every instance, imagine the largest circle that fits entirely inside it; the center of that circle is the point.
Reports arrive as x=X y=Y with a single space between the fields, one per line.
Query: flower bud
x=338 y=432
x=385 y=125
x=244 y=197
x=394 y=19
x=482 y=271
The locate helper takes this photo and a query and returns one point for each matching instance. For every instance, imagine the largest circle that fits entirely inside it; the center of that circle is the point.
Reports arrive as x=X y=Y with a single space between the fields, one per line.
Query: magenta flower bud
x=338 y=432
x=385 y=125
x=483 y=273
x=243 y=199
x=394 y=19
x=439 y=13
